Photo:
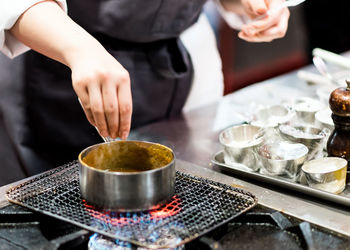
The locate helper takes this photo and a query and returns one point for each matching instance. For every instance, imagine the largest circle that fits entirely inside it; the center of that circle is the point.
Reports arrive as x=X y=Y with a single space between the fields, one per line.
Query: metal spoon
x=322 y=68
x=106 y=139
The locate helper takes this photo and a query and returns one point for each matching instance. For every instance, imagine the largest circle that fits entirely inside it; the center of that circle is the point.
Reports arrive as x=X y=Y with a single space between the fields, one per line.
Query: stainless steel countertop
x=194 y=139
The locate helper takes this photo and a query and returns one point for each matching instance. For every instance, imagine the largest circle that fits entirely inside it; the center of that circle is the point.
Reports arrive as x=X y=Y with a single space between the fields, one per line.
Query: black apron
x=50 y=127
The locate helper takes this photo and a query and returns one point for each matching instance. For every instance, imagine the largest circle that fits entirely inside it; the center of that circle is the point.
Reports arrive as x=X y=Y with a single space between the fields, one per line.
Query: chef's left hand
x=261 y=28
x=266 y=29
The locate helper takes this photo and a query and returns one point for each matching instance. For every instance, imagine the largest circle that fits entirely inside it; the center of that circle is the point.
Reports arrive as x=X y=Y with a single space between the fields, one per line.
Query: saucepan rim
x=88 y=149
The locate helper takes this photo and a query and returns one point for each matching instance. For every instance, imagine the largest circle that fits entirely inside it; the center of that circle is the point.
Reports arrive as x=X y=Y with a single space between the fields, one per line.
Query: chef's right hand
x=103 y=88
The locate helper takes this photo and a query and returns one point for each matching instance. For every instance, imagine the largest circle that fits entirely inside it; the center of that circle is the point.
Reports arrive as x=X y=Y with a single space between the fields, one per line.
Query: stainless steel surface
x=327 y=174
x=343 y=199
x=282 y=158
x=194 y=139
x=239 y=144
x=147 y=188
x=313 y=138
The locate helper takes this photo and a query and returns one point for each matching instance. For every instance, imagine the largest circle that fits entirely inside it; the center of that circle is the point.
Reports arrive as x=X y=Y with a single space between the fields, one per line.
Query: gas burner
x=100 y=242
x=260 y=228
x=153 y=218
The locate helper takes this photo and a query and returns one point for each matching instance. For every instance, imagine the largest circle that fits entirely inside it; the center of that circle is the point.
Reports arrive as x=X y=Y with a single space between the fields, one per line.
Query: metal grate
x=199 y=205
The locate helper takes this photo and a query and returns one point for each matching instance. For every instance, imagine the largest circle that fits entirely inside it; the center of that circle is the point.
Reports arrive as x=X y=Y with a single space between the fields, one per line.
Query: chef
x=116 y=64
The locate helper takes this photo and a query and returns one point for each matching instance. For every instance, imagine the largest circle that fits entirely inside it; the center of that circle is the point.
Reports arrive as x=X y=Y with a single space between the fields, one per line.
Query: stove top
x=197 y=207
x=259 y=228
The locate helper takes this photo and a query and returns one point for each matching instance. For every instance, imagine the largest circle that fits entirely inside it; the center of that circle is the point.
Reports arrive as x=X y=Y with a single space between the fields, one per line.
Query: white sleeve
x=10 y=11
x=233 y=20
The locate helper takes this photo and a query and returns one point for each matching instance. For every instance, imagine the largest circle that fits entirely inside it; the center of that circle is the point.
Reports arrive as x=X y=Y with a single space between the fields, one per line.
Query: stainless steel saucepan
x=127 y=175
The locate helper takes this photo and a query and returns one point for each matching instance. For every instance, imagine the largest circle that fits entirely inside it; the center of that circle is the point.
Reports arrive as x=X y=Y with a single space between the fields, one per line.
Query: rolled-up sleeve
x=10 y=11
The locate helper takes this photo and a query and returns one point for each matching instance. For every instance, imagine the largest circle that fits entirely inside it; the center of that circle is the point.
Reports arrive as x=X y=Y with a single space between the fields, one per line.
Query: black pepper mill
x=338 y=144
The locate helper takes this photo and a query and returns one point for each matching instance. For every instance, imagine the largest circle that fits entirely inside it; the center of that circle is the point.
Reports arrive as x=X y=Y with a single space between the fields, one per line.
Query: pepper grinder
x=338 y=144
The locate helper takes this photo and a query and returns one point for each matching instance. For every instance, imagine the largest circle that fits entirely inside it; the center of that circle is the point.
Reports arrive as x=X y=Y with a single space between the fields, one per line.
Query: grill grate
x=199 y=205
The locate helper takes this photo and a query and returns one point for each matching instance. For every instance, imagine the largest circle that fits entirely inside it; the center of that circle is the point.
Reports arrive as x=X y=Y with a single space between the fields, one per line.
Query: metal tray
x=240 y=169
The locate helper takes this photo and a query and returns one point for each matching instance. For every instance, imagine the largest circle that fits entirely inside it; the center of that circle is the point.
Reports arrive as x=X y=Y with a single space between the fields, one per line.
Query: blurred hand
x=265 y=29
x=103 y=89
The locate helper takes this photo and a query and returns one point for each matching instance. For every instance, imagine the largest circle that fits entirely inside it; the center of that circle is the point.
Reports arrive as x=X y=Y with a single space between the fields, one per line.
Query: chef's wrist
x=83 y=48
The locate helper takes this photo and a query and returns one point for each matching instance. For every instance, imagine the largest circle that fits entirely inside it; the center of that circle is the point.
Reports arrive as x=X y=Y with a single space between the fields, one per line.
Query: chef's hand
x=266 y=29
x=103 y=88
x=101 y=83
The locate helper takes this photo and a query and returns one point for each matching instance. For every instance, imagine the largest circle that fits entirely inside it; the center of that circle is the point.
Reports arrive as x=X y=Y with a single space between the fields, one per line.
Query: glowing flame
x=118 y=219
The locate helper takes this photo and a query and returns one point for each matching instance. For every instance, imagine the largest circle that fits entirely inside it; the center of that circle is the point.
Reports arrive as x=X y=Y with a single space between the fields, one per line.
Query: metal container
x=327 y=174
x=127 y=175
x=272 y=116
x=239 y=144
x=282 y=158
x=313 y=138
x=324 y=119
x=269 y=117
x=306 y=109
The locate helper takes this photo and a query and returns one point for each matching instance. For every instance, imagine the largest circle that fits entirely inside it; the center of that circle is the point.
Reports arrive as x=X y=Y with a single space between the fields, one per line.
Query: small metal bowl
x=306 y=109
x=327 y=174
x=282 y=158
x=127 y=175
x=324 y=119
x=239 y=144
x=271 y=116
x=313 y=138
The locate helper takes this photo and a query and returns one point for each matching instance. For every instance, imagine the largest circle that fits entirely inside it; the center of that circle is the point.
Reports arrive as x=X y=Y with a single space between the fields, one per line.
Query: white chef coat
x=10 y=11
x=208 y=82
x=199 y=39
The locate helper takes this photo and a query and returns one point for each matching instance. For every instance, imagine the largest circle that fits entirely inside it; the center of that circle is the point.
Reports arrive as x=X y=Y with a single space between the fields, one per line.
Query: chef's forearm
x=47 y=29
